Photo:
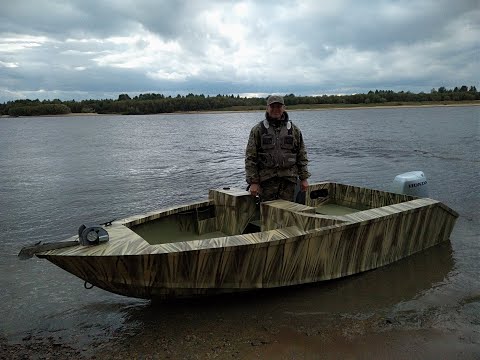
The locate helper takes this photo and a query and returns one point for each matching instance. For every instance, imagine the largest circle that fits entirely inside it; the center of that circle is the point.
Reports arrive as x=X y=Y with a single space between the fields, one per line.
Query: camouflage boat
x=229 y=243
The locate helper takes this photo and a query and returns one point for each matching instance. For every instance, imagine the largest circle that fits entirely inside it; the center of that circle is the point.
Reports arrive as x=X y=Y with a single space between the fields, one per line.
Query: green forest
x=152 y=103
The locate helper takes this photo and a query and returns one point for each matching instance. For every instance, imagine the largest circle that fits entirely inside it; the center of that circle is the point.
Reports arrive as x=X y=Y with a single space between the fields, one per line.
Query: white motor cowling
x=411 y=183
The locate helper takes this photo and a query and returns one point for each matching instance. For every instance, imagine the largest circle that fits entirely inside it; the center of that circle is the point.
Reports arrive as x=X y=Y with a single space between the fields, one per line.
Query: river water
x=59 y=172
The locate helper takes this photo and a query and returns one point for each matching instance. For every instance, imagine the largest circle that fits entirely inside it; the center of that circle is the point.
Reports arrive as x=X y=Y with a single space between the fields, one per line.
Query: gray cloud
x=93 y=48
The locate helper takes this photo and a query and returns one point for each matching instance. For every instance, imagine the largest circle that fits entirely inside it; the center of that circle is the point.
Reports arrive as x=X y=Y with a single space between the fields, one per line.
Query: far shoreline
x=291 y=108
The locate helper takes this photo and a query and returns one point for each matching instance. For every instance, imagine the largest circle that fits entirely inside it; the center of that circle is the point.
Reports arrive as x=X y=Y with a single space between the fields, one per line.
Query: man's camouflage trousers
x=277 y=188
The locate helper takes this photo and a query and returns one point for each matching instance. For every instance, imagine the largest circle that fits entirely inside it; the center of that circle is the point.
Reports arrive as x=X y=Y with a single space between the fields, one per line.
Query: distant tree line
x=151 y=103
x=39 y=109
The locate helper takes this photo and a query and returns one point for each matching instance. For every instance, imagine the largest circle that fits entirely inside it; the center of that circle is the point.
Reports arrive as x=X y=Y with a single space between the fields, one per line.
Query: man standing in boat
x=276 y=156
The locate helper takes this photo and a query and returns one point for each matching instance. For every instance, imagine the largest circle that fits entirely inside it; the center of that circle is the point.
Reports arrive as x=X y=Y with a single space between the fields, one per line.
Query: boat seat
x=278 y=214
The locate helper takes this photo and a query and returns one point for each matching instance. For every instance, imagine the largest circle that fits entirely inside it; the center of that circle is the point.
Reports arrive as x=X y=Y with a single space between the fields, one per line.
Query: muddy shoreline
x=223 y=337
x=288 y=323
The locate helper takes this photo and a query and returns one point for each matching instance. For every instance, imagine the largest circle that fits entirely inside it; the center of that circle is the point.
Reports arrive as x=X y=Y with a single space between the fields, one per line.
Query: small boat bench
x=281 y=214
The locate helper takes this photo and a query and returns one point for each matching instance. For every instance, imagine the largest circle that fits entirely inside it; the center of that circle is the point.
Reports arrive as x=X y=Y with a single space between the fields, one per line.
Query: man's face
x=275 y=110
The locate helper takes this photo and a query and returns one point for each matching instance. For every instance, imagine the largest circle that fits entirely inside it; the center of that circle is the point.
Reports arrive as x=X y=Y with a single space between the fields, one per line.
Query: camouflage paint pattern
x=296 y=245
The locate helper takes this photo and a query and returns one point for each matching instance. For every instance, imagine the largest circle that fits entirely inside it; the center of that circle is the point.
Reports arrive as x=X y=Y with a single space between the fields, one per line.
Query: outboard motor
x=92 y=235
x=411 y=183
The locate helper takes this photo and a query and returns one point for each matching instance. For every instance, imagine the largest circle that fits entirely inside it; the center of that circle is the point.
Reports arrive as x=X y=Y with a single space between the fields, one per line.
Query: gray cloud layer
x=98 y=49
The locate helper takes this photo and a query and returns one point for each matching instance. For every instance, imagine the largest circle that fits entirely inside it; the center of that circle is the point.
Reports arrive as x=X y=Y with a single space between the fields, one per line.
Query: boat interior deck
x=234 y=212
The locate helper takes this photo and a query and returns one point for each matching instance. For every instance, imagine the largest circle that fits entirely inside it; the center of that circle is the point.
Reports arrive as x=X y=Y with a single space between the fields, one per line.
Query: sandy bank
x=220 y=337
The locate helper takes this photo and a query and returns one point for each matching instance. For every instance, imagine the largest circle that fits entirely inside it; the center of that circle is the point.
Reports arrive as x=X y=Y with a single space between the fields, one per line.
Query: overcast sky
x=99 y=48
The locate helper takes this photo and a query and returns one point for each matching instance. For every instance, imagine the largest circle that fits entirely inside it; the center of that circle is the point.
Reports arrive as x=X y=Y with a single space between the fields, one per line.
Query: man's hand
x=303 y=185
x=255 y=189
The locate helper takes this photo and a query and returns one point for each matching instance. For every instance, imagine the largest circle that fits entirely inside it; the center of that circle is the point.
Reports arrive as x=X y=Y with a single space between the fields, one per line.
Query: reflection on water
x=58 y=173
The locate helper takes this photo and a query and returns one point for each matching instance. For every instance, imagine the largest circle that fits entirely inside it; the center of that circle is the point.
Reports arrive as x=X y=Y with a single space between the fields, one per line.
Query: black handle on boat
x=315 y=194
x=108 y=223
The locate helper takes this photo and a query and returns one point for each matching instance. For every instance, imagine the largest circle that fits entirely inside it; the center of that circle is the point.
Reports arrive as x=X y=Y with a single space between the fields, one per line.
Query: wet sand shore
x=220 y=338
x=272 y=324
